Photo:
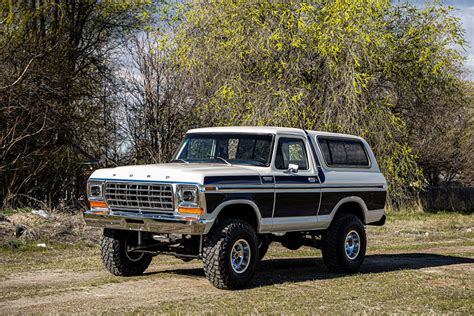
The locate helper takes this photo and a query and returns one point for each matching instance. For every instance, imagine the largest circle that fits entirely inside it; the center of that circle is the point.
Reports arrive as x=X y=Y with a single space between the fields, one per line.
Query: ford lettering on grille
x=150 y=197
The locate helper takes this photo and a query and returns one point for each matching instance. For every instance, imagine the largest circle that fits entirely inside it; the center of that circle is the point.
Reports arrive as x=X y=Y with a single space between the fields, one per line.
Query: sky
x=464 y=9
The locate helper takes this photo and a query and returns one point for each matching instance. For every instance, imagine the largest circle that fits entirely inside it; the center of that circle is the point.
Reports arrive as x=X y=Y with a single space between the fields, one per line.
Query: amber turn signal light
x=191 y=210
x=98 y=204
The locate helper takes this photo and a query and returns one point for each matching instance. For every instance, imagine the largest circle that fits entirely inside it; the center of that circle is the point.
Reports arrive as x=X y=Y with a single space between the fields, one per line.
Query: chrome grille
x=139 y=196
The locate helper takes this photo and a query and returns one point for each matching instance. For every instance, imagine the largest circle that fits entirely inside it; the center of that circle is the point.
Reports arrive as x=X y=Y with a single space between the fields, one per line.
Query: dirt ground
x=416 y=263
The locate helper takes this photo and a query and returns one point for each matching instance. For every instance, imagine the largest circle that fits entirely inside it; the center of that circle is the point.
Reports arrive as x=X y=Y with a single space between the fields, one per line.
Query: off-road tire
x=333 y=244
x=114 y=257
x=217 y=250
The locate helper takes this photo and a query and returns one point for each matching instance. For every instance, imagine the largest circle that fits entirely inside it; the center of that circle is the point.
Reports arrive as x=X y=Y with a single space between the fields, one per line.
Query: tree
x=54 y=70
x=327 y=65
x=111 y=83
x=156 y=101
x=431 y=96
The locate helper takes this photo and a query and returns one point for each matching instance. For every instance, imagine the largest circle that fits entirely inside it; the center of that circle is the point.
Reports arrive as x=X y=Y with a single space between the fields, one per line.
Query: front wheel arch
x=243 y=210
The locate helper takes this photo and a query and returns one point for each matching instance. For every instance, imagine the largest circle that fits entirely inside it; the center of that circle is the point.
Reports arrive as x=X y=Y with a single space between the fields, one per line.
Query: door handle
x=267 y=178
x=312 y=179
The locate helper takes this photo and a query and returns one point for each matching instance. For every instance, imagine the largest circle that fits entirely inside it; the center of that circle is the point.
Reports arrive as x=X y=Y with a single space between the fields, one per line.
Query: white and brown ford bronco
x=231 y=191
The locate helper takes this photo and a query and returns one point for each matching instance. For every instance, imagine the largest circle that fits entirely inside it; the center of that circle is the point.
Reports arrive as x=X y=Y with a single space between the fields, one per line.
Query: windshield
x=239 y=149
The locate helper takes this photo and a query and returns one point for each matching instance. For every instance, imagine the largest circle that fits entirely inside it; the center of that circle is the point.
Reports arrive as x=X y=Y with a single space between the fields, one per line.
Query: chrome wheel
x=352 y=245
x=240 y=256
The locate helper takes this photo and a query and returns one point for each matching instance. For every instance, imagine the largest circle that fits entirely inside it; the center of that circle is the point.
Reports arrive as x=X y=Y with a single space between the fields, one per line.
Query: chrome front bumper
x=156 y=223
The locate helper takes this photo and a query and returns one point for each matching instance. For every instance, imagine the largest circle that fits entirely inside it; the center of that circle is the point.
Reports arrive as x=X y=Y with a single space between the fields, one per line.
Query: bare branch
x=22 y=74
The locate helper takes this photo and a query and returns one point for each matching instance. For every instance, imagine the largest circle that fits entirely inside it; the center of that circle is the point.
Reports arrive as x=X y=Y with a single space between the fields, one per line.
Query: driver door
x=297 y=192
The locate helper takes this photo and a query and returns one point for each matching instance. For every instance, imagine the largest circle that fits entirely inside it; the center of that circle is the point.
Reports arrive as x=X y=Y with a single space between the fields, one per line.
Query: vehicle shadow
x=276 y=271
x=287 y=270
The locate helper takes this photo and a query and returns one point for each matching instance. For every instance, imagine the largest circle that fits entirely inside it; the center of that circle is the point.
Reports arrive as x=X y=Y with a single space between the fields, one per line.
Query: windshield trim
x=270 y=155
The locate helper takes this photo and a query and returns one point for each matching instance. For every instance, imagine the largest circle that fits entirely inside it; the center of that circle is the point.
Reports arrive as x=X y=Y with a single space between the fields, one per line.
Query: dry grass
x=21 y=229
x=418 y=263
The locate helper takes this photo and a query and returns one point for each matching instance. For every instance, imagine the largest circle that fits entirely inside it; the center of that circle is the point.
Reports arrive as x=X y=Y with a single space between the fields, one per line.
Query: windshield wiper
x=217 y=157
x=179 y=160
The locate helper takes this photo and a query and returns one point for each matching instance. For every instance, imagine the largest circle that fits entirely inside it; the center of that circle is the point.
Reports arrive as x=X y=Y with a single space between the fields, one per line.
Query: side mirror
x=292 y=168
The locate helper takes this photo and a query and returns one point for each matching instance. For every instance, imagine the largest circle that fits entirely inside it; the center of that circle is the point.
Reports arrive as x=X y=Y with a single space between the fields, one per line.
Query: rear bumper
x=156 y=223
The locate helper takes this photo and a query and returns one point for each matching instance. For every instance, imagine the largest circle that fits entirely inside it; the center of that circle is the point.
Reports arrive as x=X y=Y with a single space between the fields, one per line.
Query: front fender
x=217 y=211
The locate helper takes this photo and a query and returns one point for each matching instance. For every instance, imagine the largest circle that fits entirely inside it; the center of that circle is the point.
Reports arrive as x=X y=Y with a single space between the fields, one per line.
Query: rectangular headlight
x=187 y=195
x=95 y=190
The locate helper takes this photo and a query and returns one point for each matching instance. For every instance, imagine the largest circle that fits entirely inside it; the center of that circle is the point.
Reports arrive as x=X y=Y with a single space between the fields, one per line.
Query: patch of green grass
x=407 y=215
x=419 y=246
x=19 y=245
x=74 y=257
x=9 y=211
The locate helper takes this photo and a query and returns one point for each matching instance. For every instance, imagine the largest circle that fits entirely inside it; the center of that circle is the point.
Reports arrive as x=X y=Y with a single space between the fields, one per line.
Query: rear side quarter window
x=343 y=152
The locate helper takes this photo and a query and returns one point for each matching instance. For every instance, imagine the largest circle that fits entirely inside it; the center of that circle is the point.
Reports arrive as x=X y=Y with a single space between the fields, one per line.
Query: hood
x=173 y=172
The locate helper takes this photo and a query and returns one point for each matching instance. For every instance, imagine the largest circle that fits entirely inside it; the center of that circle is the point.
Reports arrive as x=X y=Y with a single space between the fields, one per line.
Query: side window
x=291 y=151
x=356 y=155
x=338 y=152
x=323 y=144
x=343 y=152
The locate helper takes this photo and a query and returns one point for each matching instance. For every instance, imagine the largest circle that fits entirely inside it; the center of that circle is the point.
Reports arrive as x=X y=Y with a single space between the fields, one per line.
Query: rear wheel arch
x=351 y=205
